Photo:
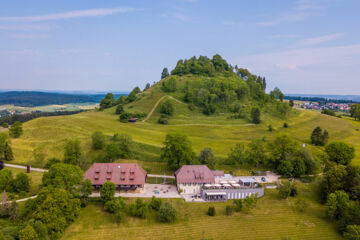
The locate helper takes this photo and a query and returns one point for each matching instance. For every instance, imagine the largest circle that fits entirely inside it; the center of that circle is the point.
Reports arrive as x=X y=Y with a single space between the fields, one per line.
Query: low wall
x=235 y=193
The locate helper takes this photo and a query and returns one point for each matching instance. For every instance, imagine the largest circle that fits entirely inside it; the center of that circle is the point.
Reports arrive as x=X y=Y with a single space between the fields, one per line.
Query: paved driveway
x=157 y=190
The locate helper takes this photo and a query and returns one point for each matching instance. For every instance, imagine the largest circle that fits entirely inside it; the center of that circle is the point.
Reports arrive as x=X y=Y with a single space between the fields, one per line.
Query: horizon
x=102 y=46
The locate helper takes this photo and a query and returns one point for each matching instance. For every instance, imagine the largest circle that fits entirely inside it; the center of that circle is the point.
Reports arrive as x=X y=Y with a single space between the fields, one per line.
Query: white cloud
x=327 y=70
x=68 y=15
x=25 y=27
x=317 y=40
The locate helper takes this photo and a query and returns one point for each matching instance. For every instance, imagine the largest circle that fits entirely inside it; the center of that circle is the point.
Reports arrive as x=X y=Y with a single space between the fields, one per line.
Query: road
x=21 y=200
x=24 y=167
x=160 y=176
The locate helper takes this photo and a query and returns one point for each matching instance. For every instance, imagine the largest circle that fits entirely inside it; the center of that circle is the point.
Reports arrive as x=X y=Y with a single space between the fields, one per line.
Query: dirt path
x=24 y=167
x=153 y=109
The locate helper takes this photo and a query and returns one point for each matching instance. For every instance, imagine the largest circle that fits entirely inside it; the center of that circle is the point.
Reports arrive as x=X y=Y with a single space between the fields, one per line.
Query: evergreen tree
x=164 y=73
x=316 y=136
x=8 y=155
x=255 y=115
x=147 y=86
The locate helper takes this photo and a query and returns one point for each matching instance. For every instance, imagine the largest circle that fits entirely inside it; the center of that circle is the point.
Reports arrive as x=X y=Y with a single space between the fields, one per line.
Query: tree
x=107 y=102
x=98 y=140
x=3 y=140
x=337 y=204
x=107 y=191
x=22 y=183
x=52 y=161
x=287 y=189
x=124 y=143
x=355 y=111
x=8 y=154
x=285 y=168
x=340 y=152
x=39 y=156
x=155 y=203
x=211 y=211
x=121 y=100
x=299 y=167
x=249 y=203
x=28 y=233
x=169 y=85
x=255 y=153
x=6 y=180
x=86 y=190
x=334 y=179
x=2 y=165
x=318 y=137
x=56 y=209
x=167 y=212
x=114 y=205
x=65 y=176
x=72 y=152
x=207 y=157
x=228 y=210
x=352 y=232
x=255 y=115
x=16 y=129
x=237 y=154
x=139 y=209
x=281 y=147
x=119 y=109
x=14 y=211
x=238 y=203
x=164 y=73
x=291 y=103
x=147 y=86
x=177 y=151
x=167 y=108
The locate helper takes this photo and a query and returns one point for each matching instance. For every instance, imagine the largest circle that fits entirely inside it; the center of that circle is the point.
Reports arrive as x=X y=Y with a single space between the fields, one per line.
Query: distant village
x=340 y=107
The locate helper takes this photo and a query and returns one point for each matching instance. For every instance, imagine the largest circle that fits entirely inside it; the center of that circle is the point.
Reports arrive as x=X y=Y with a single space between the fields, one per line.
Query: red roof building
x=123 y=175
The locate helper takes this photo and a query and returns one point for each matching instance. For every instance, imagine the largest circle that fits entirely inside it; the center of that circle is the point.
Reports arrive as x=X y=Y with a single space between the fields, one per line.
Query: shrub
x=238 y=203
x=22 y=183
x=120 y=216
x=98 y=140
x=211 y=211
x=114 y=205
x=287 y=189
x=163 y=119
x=167 y=212
x=139 y=209
x=228 y=210
x=270 y=128
x=286 y=125
x=155 y=203
x=167 y=108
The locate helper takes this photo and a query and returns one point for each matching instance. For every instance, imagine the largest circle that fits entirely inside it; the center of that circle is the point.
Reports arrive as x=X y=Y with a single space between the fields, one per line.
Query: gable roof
x=194 y=174
x=118 y=173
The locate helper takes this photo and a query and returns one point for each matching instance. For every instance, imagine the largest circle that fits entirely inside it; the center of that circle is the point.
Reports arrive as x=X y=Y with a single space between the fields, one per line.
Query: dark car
x=263 y=179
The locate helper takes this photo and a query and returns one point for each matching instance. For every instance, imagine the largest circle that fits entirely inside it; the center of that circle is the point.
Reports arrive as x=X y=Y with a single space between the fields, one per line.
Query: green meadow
x=273 y=218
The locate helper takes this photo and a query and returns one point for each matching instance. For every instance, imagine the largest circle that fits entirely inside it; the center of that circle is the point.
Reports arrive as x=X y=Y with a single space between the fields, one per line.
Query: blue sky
x=302 y=46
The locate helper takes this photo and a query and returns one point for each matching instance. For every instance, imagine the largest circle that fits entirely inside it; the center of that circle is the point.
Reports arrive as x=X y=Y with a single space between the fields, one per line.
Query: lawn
x=273 y=218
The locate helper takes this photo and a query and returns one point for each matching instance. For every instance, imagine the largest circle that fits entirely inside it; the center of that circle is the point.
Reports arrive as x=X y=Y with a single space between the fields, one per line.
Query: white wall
x=190 y=188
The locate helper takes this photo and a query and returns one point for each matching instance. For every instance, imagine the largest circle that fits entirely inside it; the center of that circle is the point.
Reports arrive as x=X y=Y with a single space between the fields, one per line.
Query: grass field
x=273 y=218
x=51 y=133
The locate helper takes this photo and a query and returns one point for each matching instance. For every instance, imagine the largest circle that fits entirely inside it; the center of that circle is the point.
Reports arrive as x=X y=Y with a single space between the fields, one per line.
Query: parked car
x=263 y=179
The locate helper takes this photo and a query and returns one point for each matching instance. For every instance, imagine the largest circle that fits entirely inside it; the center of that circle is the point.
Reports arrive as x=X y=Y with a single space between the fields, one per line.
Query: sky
x=300 y=46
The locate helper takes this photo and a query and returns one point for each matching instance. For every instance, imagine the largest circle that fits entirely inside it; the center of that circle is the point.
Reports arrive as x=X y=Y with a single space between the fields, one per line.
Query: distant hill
x=35 y=98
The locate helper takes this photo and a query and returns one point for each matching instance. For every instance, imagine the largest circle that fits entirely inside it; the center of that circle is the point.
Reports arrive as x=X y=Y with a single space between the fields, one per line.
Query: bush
x=98 y=140
x=120 y=216
x=22 y=183
x=114 y=205
x=16 y=129
x=167 y=108
x=286 y=125
x=228 y=210
x=52 y=161
x=211 y=211
x=139 y=209
x=238 y=203
x=270 y=128
x=287 y=189
x=167 y=212
x=163 y=119
x=155 y=203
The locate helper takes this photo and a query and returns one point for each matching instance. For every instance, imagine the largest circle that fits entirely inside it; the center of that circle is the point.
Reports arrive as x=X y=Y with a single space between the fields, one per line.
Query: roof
x=247 y=180
x=194 y=174
x=118 y=173
x=218 y=173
